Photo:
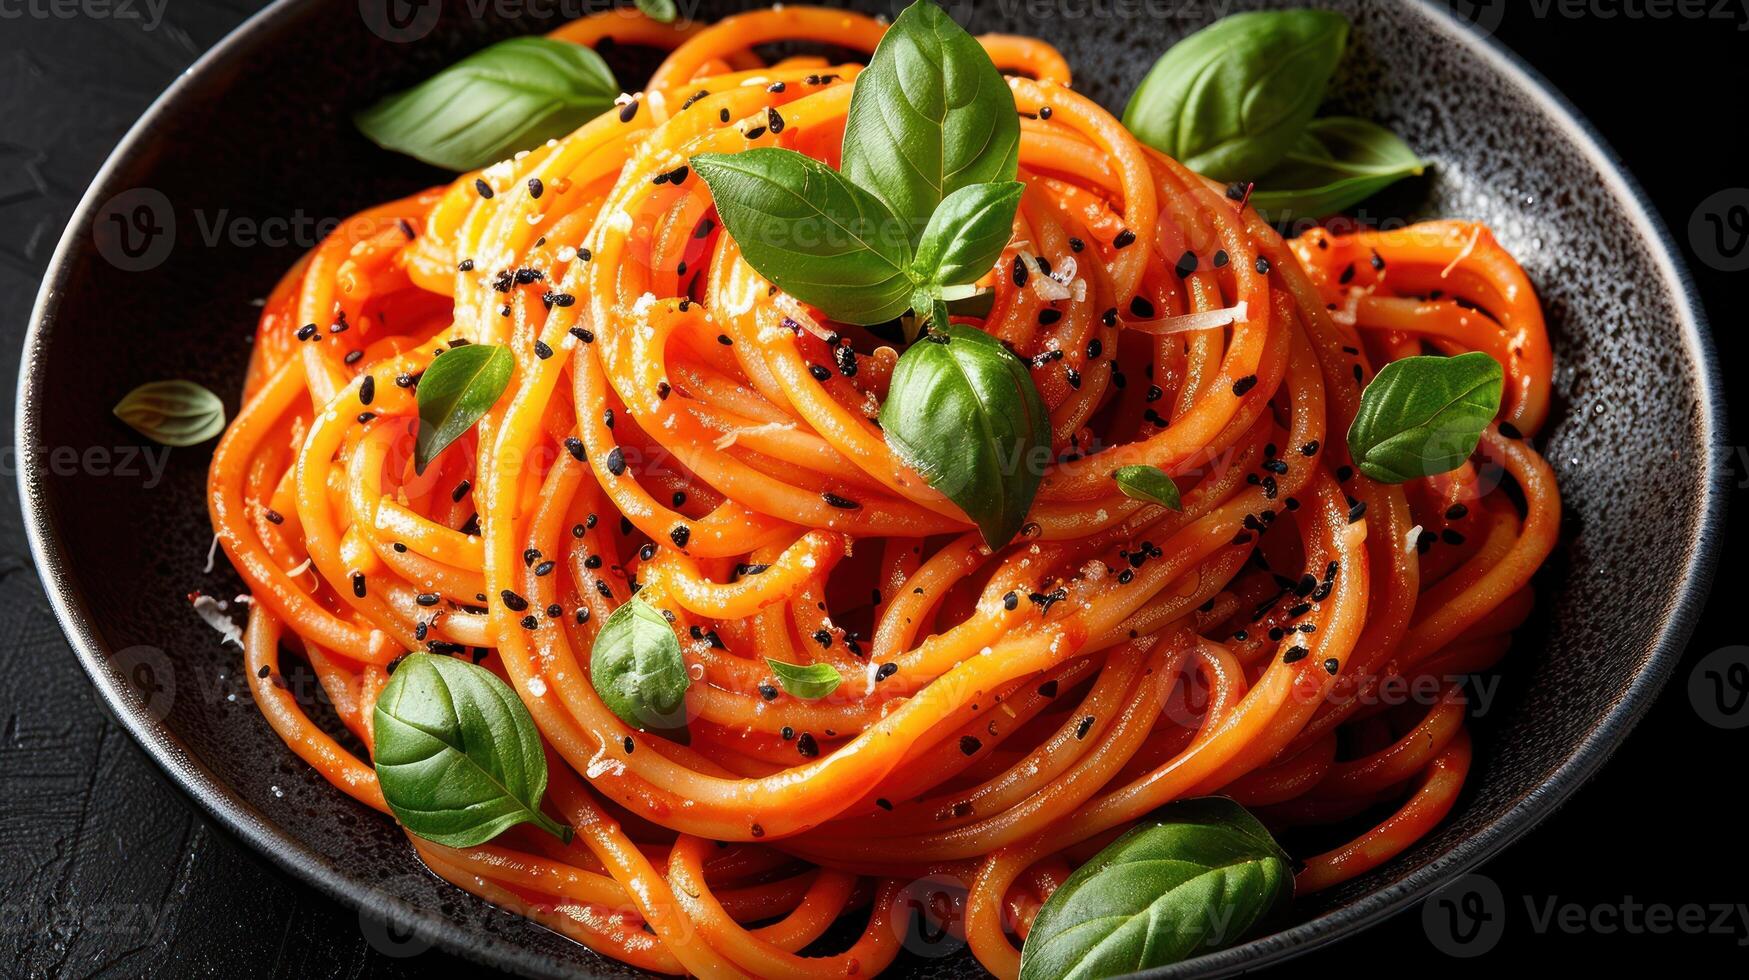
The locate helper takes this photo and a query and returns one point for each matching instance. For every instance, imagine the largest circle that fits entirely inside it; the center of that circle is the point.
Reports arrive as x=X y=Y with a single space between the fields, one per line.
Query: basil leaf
x=811 y=682
x=461 y=385
x=172 y=413
x=1230 y=100
x=966 y=234
x=1195 y=877
x=962 y=411
x=1148 y=483
x=816 y=235
x=458 y=757
x=1423 y=416
x=514 y=95
x=637 y=669
x=1337 y=163
x=930 y=115
x=660 y=11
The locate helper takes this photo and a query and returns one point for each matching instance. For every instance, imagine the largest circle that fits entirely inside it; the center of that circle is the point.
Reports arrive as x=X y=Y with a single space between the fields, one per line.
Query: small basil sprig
x=514 y=95
x=1422 y=416
x=457 y=755
x=660 y=11
x=172 y=413
x=809 y=682
x=1195 y=877
x=926 y=199
x=1230 y=100
x=461 y=385
x=930 y=115
x=962 y=411
x=637 y=668
x=1337 y=163
x=1149 y=483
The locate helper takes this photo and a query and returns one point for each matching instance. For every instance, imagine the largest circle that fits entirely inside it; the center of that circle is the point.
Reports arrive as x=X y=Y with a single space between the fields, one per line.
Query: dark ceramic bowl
x=250 y=155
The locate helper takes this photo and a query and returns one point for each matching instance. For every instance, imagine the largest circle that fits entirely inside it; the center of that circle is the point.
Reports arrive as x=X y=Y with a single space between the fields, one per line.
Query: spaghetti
x=1005 y=712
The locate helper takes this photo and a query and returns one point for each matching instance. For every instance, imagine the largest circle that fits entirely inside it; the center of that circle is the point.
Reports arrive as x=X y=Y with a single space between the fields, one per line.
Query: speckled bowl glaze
x=256 y=135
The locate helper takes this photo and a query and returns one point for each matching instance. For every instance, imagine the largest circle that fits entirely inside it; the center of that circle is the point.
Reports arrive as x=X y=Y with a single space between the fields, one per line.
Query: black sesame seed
x=680 y=535
x=970 y=745
x=885 y=671
x=1294 y=655
x=512 y=601
x=1241 y=386
x=1084 y=727
x=574 y=446
x=842 y=503
x=541 y=350
x=616 y=462
x=629 y=111
x=428 y=598
x=1124 y=239
x=1262 y=266
x=1186 y=264
x=806 y=745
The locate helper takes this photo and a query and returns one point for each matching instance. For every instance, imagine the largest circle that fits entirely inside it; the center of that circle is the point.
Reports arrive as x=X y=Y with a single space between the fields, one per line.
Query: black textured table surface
x=106 y=869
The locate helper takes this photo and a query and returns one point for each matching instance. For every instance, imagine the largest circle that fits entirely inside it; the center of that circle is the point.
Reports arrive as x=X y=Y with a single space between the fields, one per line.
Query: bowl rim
x=266 y=837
